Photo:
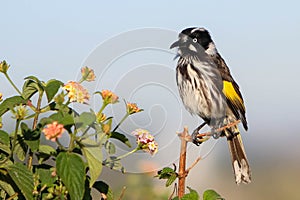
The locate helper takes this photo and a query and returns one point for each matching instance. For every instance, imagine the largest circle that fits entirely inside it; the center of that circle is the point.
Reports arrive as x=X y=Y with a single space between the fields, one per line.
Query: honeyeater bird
x=208 y=90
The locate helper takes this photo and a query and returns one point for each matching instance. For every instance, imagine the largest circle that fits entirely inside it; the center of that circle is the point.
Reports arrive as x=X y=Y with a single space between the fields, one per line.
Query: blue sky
x=258 y=39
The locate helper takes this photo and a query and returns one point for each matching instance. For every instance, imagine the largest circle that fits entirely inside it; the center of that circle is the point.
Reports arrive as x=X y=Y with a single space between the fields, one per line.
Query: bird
x=208 y=90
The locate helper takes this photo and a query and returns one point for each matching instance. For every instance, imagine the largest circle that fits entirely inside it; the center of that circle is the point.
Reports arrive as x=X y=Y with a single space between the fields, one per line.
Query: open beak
x=175 y=44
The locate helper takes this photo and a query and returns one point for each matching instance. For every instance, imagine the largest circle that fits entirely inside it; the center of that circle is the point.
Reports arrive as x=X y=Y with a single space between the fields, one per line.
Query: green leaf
x=85 y=119
x=121 y=137
x=40 y=84
x=114 y=163
x=29 y=89
x=7 y=188
x=10 y=103
x=6 y=184
x=45 y=176
x=211 y=195
x=31 y=137
x=103 y=188
x=93 y=154
x=5 y=148
x=21 y=148
x=23 y=179
x=63 y=118
x=44 y=153
x=46 y=149
x=52 y=86
x=193 y=195
x=171 y=179
x=4 y=142
x=165 y=173
x=4 y=137
x=71 y=169
x=169 y=174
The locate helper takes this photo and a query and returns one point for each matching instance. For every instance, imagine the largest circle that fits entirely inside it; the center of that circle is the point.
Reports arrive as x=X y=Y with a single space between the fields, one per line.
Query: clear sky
x=258 y=39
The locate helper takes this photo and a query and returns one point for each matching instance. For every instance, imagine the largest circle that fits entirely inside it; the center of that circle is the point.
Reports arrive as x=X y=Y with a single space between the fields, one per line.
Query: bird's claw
x=197 y=140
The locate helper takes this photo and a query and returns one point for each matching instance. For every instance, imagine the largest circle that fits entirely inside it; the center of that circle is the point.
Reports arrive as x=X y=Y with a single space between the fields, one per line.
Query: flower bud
x=4 y=67
x=109 y=97
x=133 y=108
x=20 y=112
x=87 y=74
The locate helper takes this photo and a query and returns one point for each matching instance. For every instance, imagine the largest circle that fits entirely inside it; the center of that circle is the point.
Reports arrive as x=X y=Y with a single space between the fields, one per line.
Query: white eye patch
x=195 y=40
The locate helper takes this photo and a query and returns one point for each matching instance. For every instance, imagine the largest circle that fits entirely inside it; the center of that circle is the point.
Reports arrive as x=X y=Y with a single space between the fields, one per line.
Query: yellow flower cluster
x=76 y=92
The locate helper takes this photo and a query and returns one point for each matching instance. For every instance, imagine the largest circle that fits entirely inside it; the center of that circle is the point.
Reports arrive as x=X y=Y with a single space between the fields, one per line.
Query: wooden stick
x=185 y=138
x=182 y=163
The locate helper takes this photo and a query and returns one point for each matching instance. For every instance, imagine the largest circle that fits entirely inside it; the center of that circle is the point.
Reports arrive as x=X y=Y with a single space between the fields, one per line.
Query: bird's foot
x=215 y=134
x=196 y=139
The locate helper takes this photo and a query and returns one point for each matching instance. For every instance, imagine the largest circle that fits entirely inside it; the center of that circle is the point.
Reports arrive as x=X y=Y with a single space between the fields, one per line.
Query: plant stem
x=122 y=193
x=102 y=107
x=71 y=145
x=60 y=145
x=34 y=124
x=12 y=83
x=38 y=110
x=122 y=120
x=15 y=137
x=182 y=163
x=127 y=154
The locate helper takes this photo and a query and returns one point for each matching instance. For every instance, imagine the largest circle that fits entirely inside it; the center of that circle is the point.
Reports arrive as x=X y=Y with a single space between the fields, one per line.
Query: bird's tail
x=240 y=163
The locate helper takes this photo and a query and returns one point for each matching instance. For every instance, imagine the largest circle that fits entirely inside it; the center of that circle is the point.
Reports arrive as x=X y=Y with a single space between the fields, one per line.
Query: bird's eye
x=195 y=40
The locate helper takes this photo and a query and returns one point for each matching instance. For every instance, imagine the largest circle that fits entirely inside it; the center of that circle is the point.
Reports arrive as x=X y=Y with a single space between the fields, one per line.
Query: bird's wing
x=231 y=90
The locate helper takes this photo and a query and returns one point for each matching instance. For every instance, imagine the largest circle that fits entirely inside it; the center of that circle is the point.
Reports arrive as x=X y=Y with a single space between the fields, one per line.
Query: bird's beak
x=175 y=44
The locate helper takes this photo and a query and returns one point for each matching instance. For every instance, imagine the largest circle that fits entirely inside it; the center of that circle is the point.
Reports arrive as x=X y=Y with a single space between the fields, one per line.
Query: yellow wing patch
x=232 y=95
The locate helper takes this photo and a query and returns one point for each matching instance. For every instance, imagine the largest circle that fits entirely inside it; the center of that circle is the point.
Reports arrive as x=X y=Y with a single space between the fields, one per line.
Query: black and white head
x=195 y=40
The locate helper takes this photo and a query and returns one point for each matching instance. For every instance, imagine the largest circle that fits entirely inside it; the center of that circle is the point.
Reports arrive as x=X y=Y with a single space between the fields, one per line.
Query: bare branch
x=193 y=165
x=184 y=137
x=122 y=193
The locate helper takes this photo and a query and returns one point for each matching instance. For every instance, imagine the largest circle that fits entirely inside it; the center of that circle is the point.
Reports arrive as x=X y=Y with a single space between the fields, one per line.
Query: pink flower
x=76 y=92
x=145 y=141
x=53 y=131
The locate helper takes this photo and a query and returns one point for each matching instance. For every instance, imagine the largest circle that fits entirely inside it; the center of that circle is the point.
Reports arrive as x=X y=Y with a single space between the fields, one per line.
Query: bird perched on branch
x=208 y=90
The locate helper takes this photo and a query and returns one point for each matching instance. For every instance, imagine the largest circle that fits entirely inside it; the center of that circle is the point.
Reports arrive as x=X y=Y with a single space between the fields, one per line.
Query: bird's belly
x=202 y=100
x=194 y=100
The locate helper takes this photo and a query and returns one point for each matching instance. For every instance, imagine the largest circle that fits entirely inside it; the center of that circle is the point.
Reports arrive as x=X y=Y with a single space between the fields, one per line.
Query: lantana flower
x=109 y=97
x=76 y=92
x=20 y=112
x=53 y=131
x=133 y=108
x=145 y=141
x=87 y=74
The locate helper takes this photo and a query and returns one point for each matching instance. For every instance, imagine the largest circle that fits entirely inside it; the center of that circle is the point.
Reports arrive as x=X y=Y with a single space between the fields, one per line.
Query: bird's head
x=194 y=40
